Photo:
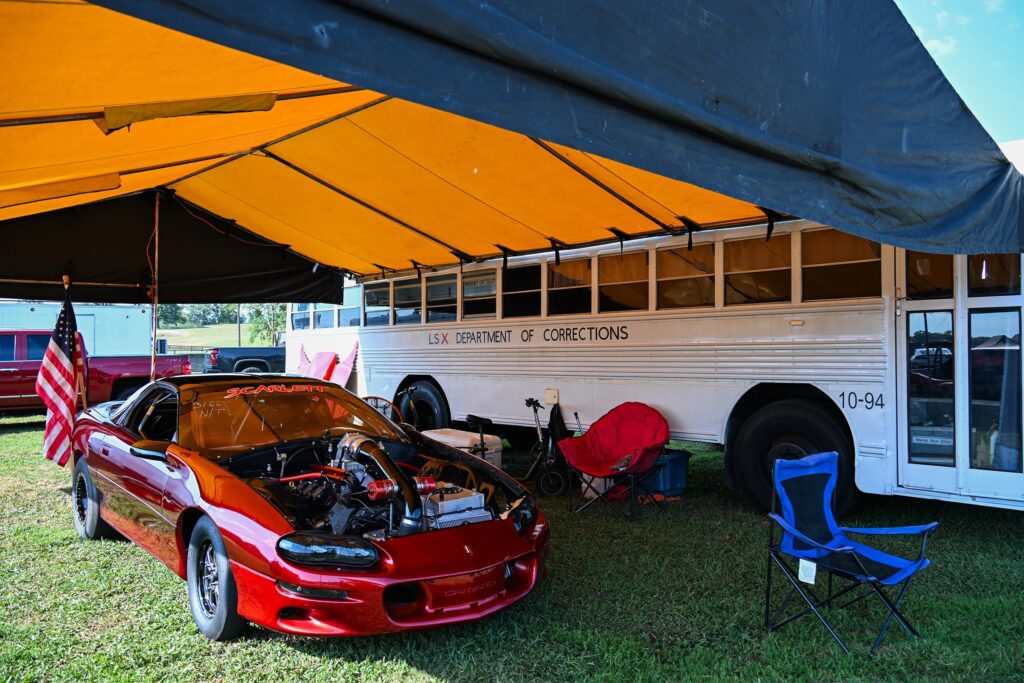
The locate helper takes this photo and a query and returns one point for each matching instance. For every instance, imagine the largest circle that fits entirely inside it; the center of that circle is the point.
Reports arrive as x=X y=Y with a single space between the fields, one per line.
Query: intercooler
x=450 y=506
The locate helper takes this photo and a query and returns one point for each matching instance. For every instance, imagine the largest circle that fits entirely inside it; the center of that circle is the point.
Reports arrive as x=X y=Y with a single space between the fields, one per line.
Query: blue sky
x=979 y=45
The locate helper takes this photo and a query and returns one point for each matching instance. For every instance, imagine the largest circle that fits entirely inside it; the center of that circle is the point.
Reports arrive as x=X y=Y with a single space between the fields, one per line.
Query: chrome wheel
x=209 y=583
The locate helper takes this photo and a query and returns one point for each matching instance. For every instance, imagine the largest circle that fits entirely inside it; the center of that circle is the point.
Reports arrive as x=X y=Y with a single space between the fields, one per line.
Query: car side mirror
x=149 y=449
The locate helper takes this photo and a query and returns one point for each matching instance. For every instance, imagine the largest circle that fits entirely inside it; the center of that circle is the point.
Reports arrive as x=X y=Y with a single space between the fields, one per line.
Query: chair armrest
x=923 y=530
x=893 y=530
x=788 y=528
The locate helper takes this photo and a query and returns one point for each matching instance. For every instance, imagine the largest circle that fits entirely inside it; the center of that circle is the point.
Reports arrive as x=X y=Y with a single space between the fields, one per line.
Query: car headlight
x=336 y=551
x=523 y=514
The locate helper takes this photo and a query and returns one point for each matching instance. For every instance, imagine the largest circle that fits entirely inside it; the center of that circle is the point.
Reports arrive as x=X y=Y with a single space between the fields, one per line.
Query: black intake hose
x=365 y=447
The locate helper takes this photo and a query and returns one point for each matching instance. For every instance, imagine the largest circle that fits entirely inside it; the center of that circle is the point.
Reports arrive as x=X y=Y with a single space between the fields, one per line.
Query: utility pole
x=238 y=321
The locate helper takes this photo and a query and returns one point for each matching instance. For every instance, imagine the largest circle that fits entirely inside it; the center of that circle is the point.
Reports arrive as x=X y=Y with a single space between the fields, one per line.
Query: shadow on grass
x=680 y=594
x=21 y=427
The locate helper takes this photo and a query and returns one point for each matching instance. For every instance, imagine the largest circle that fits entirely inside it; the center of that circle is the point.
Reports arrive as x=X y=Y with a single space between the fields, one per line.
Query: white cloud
x=942 y=19
x=962 y=21
x=941 y=47
x=993 y=5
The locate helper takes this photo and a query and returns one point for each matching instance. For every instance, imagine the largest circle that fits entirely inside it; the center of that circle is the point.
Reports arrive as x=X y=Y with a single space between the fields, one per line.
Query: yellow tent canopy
x=95 y=104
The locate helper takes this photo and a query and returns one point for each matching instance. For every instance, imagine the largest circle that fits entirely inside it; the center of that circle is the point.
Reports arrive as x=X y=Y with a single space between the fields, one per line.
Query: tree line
x=266 y=321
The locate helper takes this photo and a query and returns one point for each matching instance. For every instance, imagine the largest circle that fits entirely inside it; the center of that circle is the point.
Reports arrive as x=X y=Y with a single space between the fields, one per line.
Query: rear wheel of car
x=212 y=594
x=423 y=404
x=253 y=370
x=786 y=430
x=85 y=505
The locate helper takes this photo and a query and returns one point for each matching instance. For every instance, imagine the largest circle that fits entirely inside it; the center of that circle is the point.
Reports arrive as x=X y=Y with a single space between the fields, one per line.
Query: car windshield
x=231 y=418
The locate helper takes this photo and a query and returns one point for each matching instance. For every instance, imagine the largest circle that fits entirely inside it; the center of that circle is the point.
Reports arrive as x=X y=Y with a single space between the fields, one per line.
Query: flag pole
x=156 y=280
x=81 y=375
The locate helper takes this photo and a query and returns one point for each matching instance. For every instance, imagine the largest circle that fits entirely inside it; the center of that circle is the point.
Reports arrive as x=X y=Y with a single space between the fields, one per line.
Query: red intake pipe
x=425 y=485
x=301 y=477
x=381 y=489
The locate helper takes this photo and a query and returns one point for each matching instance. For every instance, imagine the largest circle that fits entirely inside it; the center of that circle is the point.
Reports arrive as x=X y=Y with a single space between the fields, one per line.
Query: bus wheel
x=790 y=429
x=423 y=405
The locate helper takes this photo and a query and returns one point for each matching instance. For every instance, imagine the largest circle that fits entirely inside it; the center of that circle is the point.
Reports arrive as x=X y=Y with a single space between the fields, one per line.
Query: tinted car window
x=155 y=416
x=6 y=347
x=37 y=344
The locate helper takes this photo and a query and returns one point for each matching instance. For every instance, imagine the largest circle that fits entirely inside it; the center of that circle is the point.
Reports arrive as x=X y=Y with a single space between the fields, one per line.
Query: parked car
x=289 y=502
x=108 y=377
x=247 y=359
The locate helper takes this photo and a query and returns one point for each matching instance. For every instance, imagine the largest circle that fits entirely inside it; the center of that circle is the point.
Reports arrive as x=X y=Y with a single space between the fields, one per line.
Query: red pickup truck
x=108 y=377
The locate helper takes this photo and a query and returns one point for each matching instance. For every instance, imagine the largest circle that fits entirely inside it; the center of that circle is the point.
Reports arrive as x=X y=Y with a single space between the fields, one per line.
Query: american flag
x=57 y=384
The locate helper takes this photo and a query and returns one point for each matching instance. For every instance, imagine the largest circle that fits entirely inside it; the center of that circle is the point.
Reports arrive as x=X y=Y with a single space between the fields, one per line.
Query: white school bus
x=907 y=363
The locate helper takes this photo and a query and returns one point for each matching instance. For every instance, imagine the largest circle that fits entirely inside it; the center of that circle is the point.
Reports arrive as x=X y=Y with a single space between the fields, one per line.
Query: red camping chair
x=623 y=446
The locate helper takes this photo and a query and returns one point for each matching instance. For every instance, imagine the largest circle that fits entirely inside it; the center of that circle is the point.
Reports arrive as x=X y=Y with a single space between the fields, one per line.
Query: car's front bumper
x=425 y=580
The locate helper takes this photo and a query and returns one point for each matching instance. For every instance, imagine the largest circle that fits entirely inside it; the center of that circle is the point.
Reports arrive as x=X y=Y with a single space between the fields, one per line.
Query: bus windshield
x=228 y=418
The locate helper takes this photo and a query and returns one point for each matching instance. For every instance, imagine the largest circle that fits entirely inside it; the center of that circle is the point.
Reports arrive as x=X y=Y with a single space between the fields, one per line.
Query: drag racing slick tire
x=85 y=505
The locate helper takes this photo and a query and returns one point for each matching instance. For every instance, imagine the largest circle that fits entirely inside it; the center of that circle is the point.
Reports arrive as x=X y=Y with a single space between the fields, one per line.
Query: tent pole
x=80 y=372
x=23 y=281
x=156 y=280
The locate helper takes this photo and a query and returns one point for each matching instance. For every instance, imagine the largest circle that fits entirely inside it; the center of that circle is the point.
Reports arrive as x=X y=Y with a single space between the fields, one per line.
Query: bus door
x=959 y=374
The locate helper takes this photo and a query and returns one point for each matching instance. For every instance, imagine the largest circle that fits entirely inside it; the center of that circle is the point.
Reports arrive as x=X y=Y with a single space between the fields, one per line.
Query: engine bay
x=354 y=484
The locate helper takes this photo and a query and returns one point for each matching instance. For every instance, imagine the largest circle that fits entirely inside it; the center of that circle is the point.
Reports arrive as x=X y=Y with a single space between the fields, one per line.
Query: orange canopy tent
x=97 y=105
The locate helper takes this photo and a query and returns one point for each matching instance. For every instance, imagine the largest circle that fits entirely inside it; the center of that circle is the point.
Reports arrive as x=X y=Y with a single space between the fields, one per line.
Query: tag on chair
x=807 y=571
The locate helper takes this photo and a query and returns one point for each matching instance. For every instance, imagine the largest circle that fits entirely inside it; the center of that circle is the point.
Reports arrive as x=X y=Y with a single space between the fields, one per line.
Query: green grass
x=212 y=335
x=675 y=596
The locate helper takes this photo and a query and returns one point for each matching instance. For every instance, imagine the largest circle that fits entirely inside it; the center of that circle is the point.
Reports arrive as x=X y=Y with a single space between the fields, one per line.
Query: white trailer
x=108 y=329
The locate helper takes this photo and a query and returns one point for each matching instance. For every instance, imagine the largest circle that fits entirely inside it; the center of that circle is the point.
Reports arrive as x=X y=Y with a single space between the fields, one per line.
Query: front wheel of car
x=85 y=505
x=212 y=594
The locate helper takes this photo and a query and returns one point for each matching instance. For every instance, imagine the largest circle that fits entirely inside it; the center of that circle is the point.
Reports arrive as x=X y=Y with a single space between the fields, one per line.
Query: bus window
x=994 y=376
x=377 y=304
x=931 y=396
x=349 y=311
x=442 y=298
x=520 y=289
x=757 y=271
x=929 y=276
x=622 y=282
x=479 y=294
x=686 y=278
x=837 y=265
x=323 y=316
x=408 y=309
x=569 y=287
x=300 y=317
x=348 y=317
x=993 y=274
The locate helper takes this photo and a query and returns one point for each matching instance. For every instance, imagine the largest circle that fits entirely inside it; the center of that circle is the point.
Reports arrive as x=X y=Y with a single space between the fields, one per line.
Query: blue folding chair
x=803 y=495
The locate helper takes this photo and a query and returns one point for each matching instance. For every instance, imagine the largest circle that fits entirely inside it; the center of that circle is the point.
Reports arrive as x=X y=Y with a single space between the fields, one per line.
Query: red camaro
x=290 y=503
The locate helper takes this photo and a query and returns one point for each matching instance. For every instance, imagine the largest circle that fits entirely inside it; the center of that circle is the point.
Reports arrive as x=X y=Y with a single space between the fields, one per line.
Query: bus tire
x=428 y=408
x=790 y=429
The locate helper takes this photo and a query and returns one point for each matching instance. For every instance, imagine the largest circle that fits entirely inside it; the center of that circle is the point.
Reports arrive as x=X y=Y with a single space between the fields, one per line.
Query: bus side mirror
x=149 y=449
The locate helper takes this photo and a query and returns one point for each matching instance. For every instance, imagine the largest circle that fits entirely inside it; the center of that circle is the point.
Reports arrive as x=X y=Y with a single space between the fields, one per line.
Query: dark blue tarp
x=203 y=258
x=828 y=110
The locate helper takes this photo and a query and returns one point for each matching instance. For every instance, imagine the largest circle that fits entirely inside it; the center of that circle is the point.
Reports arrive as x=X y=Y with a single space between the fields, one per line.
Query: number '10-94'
x=852 y=400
